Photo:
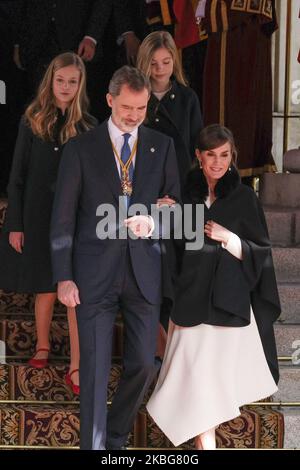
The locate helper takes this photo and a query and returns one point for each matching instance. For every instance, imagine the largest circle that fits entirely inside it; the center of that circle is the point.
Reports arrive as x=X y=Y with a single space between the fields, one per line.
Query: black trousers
x=96 y=324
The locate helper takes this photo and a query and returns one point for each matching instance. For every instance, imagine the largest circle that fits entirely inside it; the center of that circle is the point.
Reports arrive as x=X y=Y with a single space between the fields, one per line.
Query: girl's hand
x=16 y=240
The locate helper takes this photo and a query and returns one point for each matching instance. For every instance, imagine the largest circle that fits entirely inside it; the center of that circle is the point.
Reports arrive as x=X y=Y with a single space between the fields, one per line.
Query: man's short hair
x=130 y=76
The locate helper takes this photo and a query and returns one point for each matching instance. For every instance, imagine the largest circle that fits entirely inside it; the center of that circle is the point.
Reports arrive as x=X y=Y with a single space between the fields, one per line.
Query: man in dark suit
x=135 y=19
x=46 y=28
x=13 y=79
x=100 y=276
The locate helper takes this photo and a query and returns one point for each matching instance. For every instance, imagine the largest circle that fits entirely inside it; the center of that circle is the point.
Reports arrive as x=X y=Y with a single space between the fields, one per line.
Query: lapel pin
x=152 y=149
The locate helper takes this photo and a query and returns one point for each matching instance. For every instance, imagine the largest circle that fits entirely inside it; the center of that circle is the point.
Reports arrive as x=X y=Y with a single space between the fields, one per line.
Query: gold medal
x=126 y=184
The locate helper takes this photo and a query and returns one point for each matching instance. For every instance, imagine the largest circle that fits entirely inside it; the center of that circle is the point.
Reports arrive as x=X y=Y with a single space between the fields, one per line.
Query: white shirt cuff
x=92 y=39
x=152 y=226
x=234 y=246
x=200 y=10
x=120 y=39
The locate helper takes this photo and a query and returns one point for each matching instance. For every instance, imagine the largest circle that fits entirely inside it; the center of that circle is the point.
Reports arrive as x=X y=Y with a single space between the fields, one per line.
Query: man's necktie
x=125 y=154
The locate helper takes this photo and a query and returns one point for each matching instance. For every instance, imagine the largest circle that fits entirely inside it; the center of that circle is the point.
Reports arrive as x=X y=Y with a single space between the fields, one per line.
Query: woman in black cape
x=221 y=351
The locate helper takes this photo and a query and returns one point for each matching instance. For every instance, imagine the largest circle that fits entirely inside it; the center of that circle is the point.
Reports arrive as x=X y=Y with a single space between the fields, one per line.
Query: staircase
x=37 y=409
x=280 y=196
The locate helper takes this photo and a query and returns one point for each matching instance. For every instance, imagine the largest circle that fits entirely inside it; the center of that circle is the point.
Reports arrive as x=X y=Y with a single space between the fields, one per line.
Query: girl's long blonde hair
x=154 y=41
x=41 y=114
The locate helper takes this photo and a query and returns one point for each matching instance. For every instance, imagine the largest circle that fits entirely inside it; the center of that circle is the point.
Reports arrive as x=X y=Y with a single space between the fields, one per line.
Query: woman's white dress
x=208 y=372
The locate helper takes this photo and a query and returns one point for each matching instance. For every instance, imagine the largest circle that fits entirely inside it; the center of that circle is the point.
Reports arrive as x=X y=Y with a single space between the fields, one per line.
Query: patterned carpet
x=38 y=409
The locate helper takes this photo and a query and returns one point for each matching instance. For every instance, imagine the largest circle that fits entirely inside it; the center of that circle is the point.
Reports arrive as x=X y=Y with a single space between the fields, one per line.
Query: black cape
x=214 y=287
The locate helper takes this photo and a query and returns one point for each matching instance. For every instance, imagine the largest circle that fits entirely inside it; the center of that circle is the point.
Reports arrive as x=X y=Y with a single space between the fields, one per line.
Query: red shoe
x=39 y=363
x=68 y=380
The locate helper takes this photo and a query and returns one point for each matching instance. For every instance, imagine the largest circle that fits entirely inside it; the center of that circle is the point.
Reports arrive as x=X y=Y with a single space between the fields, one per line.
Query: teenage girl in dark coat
x=58 y=113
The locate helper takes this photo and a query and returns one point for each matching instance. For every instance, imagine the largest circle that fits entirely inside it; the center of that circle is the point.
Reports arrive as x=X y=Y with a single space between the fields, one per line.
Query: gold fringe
x=213 y=16
x=223 y=62
x=258 y=170
x=154 y=20
x=223 y=78
x=264 y=7
x=165 y=12
x=224 y=16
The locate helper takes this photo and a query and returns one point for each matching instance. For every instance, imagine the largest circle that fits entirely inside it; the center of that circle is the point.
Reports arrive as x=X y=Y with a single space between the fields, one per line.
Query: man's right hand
x=68 y=293
x=16 y=240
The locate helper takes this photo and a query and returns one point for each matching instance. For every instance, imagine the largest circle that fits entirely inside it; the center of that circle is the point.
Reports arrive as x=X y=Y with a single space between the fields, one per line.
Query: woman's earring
x=200 y=164
x=229 y=169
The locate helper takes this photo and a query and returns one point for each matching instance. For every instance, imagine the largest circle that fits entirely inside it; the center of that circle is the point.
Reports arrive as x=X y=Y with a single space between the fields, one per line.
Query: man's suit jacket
x=89 y=177
x=72 y=20
x=133 y=15
x=6 y=35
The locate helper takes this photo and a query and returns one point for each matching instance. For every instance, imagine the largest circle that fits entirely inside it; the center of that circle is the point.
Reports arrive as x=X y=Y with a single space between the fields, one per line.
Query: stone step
x=281 y=225
x=280 y=189
x=290 y=302
x=287 y=339
x=289 y=384
x=297 y=228
x=287 y=264
x=291 y=427
x=58 y=426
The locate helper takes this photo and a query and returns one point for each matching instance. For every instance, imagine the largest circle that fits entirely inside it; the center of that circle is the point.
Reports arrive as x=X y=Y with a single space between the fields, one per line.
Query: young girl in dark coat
x=173 y=107
x=58 y=113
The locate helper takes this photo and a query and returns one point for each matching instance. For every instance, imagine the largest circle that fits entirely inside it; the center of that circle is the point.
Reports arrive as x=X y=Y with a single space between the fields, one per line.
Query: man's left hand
x=86 y=49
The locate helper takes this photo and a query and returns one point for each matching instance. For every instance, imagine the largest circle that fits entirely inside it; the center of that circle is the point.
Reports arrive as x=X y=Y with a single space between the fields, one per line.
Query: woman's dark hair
x=196 y=187
x=214 y=136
